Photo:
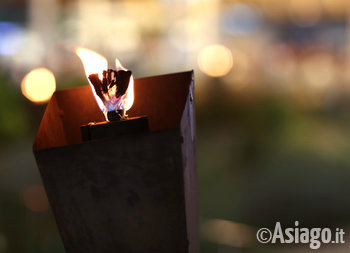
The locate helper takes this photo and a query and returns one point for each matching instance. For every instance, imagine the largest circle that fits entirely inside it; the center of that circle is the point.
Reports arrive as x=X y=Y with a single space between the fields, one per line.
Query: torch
x=114 y=93
x=130 y=191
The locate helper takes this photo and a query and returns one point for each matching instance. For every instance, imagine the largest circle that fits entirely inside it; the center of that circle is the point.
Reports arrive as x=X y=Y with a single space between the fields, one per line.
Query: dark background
x=272 y=101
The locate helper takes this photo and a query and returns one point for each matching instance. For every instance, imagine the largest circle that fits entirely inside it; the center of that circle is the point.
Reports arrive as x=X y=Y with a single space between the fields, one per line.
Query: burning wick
x=114 y=92
x=113 y=86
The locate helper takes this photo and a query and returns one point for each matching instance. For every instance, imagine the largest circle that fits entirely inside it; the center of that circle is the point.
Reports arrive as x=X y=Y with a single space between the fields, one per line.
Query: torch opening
x=112 y=89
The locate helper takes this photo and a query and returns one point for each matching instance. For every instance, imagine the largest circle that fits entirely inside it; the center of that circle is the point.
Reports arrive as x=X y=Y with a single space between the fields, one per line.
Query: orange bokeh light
x=215 y=60
x=38 y=85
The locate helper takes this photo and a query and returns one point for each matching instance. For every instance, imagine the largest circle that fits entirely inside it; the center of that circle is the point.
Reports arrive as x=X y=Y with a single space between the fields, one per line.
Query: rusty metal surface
x=118 y=195
x=161 y=98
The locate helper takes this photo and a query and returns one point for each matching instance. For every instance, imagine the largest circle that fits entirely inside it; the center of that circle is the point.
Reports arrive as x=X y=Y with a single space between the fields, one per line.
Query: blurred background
x=272 y=101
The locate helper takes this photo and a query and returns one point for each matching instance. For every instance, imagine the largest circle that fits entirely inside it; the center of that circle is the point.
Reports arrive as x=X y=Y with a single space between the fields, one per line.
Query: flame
x=95 y=63
x=129 y=94
x=92 y=61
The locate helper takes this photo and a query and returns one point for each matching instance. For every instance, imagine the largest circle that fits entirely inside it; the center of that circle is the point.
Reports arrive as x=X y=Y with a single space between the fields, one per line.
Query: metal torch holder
x=132 y=193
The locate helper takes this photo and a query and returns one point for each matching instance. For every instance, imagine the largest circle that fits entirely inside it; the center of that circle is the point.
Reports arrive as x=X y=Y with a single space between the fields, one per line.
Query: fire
x=106 y=84
x=129 y=95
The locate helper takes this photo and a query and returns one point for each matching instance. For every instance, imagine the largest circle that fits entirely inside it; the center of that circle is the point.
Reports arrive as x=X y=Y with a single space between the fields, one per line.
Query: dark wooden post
x=131 y=193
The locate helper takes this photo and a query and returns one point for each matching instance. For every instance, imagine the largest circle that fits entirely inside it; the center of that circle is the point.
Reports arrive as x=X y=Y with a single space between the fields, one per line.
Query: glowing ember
x=113 y=89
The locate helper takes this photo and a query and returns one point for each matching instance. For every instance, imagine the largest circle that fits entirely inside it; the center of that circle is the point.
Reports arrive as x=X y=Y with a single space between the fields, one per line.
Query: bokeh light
x=35 y=199
x=228 y=232
x=29 y=50
x=305 y=13
x=334 y=8
x=240 y=19
x=39 y=85
x=11 y=39
x=187 y=34
x=215 y=60
x=281 y=64
x=318 y=70
x=128 y=37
